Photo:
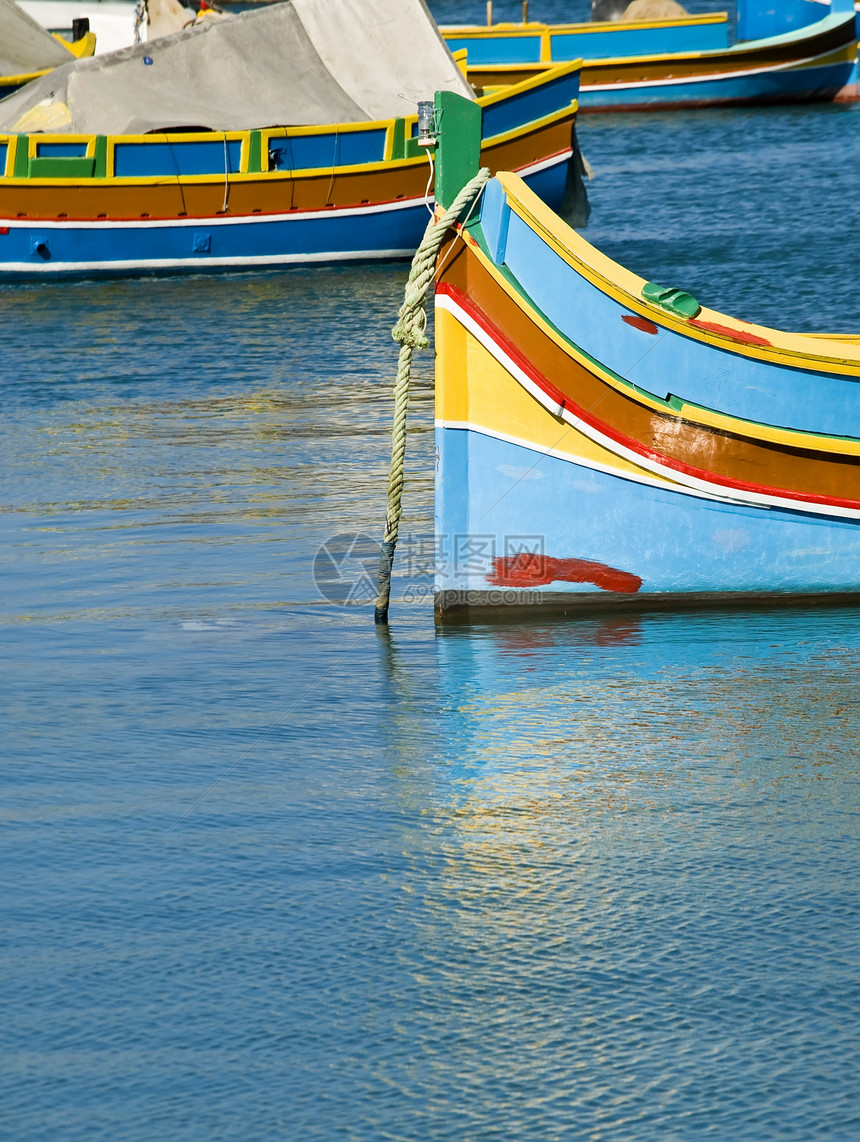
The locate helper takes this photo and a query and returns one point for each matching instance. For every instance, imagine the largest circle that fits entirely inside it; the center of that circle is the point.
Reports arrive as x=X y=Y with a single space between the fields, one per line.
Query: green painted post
x=22 y=157
x=458 y=150
x=100 y=152
x=398 y=139
x=255 y=152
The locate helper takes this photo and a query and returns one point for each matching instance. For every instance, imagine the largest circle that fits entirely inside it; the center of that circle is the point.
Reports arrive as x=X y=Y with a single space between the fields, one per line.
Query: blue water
x=271 y=874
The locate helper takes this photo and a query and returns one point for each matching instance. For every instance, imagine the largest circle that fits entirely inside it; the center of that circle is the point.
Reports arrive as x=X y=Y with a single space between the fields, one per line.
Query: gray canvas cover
x=25 y=46
x=308 y=62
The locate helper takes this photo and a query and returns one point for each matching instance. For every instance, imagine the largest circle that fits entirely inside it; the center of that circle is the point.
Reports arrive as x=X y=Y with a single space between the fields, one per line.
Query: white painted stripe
x=202 y=262
x=580 y=462
x=726 y=495
x=543 y=164
x=712 y=77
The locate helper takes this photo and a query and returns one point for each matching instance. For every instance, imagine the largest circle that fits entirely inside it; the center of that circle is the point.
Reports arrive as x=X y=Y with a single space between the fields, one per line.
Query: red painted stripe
x=726 y=331
x=635 y=446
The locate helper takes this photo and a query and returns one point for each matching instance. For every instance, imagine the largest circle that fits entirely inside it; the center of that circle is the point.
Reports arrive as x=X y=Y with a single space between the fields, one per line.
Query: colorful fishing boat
x=78 y=199
x=796 y=50
x=604 y=441
x=28 y=51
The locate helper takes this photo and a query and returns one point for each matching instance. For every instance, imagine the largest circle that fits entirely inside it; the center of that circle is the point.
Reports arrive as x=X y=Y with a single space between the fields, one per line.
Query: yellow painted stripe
x=18 y=80
x=492 y=399
x=847 y=54
x=729 y=56
x=547 y=76
x=36 y=141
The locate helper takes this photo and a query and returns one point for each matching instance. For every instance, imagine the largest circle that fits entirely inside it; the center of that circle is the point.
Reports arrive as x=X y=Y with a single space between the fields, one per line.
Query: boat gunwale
x=828 y=23
x=382 y=166
x=796 y=350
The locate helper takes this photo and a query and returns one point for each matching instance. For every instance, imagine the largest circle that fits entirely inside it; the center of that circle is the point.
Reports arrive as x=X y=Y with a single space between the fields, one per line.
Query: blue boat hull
x=658 y=545
x=803 y=84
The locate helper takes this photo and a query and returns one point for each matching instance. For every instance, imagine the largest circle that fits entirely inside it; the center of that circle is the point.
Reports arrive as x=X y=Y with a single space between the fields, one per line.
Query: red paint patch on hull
x=640 y=323
x=531 y=569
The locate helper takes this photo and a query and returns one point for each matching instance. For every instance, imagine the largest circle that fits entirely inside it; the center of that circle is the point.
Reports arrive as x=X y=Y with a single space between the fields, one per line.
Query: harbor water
x=272 y=873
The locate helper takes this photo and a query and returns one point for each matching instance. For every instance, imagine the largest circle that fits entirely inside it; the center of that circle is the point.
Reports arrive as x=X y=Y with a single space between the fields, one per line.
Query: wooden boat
x=28 y=51
x=785 y=52
x=86 y=205
x=89 y=202
x=603 y=441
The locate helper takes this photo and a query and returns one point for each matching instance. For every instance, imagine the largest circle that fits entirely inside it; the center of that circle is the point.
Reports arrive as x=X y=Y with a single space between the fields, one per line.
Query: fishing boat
x=608 y=442
x=28 y=51
x=162 y=157
x=796 y=50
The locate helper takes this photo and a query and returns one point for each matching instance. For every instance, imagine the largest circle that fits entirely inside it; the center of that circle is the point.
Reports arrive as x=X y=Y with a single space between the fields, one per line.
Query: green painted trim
x=255 y=152
x=68 y=167
x=458 y=147
x=100 y=154
x=398 y=139
x=21 y=168
x=676 y=301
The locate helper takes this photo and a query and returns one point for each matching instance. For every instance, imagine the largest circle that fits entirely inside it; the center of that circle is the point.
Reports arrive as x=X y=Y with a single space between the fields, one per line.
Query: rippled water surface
x=271 y=874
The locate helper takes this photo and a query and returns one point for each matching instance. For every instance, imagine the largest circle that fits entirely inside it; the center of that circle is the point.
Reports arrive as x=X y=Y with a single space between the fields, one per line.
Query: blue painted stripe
x=760 y=19
x=638 y=42
x=495 y=219
x=497 y=49
x=307 y=152
x=787 y=83
x=502 y=493
x=61 y=150
x=203 y=156
x=549 y=184
x=536 y=103
x=210 y=239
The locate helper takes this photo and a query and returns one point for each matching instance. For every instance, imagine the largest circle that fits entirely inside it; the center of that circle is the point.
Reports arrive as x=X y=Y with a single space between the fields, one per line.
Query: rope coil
x=410 y=331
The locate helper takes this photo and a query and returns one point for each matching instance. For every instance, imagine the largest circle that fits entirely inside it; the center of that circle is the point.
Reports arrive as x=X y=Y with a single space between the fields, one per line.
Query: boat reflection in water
x=632 y=862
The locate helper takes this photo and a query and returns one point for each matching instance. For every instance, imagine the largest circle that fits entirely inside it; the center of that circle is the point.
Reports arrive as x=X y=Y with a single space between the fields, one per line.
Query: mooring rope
x=410 y=332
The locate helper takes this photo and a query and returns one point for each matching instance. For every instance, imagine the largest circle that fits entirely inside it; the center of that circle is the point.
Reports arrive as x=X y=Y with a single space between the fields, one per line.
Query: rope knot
x=409 y=330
